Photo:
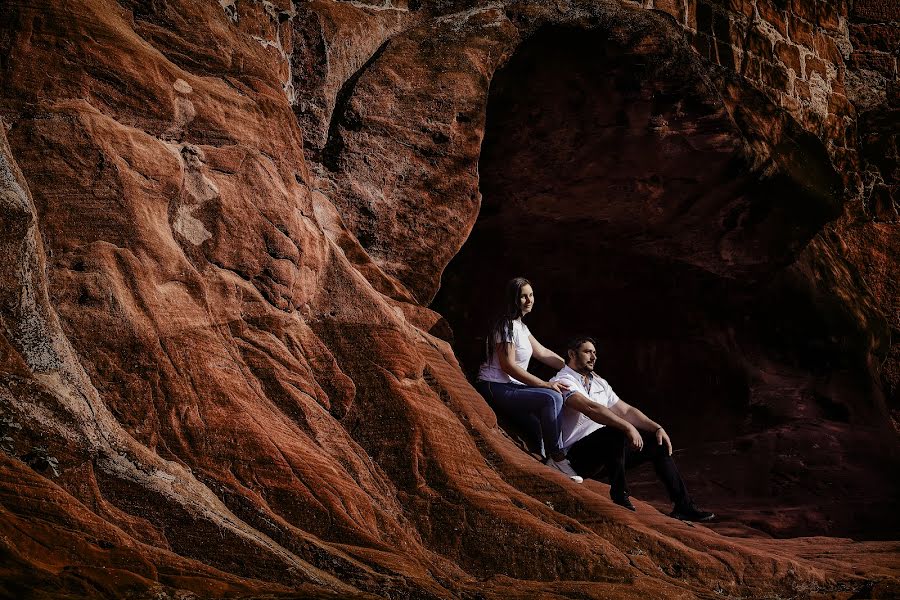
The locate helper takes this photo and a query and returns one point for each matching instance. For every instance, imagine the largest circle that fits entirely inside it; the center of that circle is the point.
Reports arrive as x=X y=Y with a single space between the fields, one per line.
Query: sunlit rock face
x=222 y=224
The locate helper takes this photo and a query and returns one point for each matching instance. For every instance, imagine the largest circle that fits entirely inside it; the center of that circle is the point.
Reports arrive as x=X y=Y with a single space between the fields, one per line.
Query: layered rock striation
x=222 y=224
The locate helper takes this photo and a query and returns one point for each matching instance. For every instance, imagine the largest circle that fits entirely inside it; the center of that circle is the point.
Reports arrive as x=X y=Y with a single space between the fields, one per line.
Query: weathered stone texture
x=875 y=36
x=848 y=52
x=882 y=62
x=222 y=223
x=763 y=39
x=880 y=11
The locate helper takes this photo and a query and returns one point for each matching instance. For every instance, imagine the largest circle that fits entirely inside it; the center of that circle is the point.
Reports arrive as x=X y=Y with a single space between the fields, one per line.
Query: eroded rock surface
x=222 y=224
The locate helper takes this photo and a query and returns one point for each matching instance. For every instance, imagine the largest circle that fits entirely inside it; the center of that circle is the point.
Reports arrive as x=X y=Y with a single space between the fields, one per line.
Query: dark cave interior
x=645 y=214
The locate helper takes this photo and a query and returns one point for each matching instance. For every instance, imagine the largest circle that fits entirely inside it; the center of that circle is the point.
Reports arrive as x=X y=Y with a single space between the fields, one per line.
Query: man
x=599 y=429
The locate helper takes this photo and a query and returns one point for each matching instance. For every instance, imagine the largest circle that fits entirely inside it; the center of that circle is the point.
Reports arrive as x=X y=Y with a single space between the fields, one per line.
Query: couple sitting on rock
x=584 y=425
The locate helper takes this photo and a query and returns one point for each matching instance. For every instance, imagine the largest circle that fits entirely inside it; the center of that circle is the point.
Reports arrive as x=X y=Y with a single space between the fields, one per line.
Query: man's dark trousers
x=609 y=447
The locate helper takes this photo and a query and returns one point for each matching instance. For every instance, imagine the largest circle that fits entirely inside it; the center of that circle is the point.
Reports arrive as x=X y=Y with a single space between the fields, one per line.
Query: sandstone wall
x=220 y=224
x=833 y=65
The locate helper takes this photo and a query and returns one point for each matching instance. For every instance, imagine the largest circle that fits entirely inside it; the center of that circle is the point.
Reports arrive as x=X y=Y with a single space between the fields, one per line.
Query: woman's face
x=526 y=299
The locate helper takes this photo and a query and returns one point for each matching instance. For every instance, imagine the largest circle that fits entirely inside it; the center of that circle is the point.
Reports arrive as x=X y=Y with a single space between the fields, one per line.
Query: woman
x=510 y=389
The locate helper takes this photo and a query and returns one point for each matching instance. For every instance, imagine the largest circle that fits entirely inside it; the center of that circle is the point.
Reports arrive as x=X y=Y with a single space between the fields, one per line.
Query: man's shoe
x=624 y=501
x=564 y=467
x=691 y=513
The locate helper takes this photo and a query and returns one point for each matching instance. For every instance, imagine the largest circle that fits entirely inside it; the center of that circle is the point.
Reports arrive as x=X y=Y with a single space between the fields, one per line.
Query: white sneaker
x=564 y=467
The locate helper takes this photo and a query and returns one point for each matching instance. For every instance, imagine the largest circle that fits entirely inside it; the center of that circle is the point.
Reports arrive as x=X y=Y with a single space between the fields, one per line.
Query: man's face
x=583 y=359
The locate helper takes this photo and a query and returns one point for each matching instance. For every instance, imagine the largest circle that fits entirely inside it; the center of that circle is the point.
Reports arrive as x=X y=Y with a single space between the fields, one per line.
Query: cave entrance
x=617 y=181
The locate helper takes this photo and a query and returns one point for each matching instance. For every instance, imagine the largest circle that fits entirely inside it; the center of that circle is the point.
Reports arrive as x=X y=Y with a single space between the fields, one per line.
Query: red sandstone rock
x=789 y=55
x=814 y=65
x=875 y=61
x=220 y=223
x=801 y=31
x=773 y=13
x=827 y=50
x=875 y=10
x=827 y=16
x=875 y=36
x=672 y=7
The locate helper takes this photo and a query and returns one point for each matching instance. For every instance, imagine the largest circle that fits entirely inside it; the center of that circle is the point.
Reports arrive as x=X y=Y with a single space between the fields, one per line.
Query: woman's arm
x=548 y=357
x=506 y=353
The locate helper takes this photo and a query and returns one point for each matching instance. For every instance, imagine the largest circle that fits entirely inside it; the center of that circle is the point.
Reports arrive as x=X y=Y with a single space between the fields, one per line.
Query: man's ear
x=570 y=354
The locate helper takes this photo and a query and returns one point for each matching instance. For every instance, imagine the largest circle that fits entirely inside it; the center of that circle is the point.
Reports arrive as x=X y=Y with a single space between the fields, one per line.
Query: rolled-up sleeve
x=611 y=397
x=573 y=385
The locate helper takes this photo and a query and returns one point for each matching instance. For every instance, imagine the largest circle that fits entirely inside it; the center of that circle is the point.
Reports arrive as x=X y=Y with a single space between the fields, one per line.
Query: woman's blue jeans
x=535 y=411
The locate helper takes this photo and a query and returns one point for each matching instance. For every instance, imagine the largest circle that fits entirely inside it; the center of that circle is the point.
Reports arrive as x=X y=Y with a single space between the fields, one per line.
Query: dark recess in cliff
x=618 y=182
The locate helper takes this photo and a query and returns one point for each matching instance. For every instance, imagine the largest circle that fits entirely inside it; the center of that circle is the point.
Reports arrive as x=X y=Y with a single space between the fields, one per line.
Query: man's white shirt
x=574 y=424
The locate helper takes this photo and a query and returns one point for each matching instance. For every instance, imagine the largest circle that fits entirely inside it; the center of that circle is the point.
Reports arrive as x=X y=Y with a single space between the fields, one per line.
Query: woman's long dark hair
x=503 y=326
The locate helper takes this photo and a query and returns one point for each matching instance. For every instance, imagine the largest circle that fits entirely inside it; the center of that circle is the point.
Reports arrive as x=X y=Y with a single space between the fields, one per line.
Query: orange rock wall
x=220 y=223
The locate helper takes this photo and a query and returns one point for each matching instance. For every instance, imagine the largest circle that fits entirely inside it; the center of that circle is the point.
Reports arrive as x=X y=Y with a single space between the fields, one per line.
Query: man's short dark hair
x=576 y=342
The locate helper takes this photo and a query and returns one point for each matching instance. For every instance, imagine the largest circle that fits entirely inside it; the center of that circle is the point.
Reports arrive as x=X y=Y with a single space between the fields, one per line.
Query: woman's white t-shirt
x=491 y=371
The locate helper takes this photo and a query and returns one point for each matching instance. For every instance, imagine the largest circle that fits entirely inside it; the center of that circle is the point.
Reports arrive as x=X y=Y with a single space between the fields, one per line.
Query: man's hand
x=663 y=438
x=634 y=437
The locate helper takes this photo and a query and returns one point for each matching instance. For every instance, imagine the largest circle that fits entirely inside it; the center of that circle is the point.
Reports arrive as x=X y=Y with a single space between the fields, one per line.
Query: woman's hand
x=558 y=386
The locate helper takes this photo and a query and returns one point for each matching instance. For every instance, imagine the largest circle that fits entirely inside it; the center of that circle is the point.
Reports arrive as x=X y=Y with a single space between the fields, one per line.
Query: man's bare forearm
x=597 y=413
x=640 y=420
